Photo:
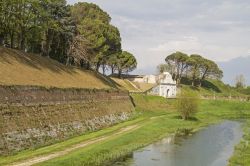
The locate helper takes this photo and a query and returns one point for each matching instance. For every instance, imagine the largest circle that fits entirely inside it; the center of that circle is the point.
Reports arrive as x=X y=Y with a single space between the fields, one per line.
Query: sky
x=152 y=29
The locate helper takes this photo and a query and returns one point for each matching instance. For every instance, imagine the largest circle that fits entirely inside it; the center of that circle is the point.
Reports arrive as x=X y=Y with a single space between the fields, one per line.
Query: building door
x=167 y=93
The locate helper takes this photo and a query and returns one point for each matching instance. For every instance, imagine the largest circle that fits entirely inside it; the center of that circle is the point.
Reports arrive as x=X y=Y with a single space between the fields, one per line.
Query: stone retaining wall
x=35 y=116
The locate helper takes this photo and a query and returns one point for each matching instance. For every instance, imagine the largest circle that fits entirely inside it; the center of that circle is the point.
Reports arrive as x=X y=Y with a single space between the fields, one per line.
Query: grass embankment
x=144 y=86
x=241 y=155
x=19 y=68
x=211 y=88
x=124 y=84
x=156 y=119
x=134 y=87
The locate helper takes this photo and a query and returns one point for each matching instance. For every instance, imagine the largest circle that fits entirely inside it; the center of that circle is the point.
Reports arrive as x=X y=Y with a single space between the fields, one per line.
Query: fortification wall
x=35 y=116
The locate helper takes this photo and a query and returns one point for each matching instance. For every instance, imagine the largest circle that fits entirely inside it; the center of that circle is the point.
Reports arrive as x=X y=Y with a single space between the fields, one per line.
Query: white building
x=150 y=79
x=164 y=85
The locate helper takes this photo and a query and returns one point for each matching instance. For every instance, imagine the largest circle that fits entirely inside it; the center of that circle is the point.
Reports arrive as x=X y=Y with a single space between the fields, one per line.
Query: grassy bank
x=241 y=155
x=41 y=71
x=211 y=88
x=156 y=119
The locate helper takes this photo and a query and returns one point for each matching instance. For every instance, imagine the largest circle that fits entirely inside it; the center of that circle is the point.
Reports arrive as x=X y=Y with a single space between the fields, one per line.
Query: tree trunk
x=119 y=73
x=103 y=69
x=179 y=81
x=21 y=45
x=97 y=66
x=12 y=40
x=200 y=83
x=2 y=37
x=203 y=77
x=49 y=37
x=88 y=66
x=204 y=74
x=192 y=82
x=67 y=61
x=47 y=46
x=193 y=76
x=178 y=71
x=112 y=70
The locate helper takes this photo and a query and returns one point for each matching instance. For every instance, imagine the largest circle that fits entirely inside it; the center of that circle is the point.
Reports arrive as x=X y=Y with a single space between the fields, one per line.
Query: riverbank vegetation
x=156 y=118
x=241 y=155
x=187 y=104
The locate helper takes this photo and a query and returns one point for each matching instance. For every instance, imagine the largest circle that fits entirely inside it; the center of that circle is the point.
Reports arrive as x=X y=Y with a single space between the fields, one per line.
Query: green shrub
x=187 y=104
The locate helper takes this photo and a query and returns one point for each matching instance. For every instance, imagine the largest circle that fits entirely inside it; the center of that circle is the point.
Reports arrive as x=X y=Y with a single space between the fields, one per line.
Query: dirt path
x=43 y=158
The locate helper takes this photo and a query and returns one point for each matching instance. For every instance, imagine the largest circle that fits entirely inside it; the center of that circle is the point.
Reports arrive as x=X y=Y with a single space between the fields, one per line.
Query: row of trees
x=74 y=35
x=195 y=67
x=37 y=26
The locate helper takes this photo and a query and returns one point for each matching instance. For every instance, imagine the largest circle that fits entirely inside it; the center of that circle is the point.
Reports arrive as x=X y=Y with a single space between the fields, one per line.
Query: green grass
x=241 y=155
x=157 y=119
x=153 y=104
x=152 y=130
x=121 y=146
x=245 y=90
x=212 y=88
x=63 y=145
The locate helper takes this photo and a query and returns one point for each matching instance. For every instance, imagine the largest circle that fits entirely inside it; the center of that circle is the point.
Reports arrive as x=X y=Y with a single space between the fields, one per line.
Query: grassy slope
x=213 y=87
x=157 y=118
x=124 y=84
x=144 y=86
x=18 y=68
x=245 y=91
x=241 y=155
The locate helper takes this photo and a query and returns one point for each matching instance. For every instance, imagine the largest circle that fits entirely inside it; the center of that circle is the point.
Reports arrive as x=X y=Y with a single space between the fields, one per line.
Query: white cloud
x=151 y=30
x=188 y=44
x=193 y=45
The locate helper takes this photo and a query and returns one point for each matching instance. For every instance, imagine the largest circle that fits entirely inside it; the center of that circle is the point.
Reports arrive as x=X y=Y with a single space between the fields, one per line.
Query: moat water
x=212 y=146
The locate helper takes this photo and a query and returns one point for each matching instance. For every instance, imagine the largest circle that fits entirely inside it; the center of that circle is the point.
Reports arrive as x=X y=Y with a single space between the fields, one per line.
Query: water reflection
x=212 y=146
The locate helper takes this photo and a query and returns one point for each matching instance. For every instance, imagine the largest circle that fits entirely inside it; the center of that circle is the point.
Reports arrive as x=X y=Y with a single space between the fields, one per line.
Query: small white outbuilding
x=165 y=86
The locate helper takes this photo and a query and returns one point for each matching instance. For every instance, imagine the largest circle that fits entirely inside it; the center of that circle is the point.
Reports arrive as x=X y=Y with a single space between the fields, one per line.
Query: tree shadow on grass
x=189 y=119
x=39 y=63
x=194 y=88
x=132 y=100
x=206 y=84
x=35 y=61
x=107 y=80
x=210 y=86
